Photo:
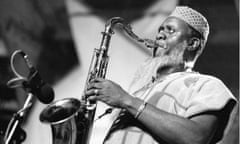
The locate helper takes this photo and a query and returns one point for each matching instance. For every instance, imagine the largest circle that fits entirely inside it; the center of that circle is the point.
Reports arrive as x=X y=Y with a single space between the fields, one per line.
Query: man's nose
x=161 y=36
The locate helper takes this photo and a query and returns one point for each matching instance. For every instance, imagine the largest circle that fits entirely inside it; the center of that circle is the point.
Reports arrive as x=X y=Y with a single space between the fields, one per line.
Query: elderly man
x=168 y=102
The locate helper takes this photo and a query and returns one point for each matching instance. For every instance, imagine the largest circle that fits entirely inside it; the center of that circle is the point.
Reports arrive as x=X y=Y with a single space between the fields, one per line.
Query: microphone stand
x=11 y=135
x=15 y=122
x=14 y=133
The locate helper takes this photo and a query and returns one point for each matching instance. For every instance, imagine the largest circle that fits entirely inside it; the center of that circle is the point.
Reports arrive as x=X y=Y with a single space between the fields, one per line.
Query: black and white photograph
x=119 y=72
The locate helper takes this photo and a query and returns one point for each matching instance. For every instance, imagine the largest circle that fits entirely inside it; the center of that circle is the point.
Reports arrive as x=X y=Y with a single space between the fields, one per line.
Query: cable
x=15 y=82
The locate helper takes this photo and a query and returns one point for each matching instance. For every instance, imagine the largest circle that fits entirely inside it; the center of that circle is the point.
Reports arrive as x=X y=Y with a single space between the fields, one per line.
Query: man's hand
x=108 y=92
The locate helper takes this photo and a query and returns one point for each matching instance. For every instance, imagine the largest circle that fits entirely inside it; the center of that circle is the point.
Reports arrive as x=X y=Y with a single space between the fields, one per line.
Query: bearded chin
x=149 y=68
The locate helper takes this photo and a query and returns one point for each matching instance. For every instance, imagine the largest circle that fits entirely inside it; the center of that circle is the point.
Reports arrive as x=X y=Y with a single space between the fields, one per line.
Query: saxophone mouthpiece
x=152 y=44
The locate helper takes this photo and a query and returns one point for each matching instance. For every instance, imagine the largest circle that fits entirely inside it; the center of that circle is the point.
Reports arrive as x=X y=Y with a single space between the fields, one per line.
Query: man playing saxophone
x=168 y=101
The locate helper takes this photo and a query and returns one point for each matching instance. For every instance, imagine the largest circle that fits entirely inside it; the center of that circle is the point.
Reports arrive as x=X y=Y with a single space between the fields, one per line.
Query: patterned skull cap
x=194 y=19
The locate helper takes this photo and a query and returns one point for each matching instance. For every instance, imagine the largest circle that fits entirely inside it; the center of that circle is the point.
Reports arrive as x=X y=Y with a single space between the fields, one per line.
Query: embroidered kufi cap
x=194 y=19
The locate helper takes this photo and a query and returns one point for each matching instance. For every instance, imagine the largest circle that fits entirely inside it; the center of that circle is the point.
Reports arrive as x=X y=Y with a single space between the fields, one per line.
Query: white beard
x=148 y=69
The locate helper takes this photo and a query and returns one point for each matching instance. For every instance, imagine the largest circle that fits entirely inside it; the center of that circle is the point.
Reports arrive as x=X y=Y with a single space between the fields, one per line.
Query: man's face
x=172 y=36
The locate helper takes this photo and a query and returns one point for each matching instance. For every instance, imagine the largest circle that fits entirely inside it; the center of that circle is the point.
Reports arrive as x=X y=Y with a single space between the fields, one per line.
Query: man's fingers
x=96 y=98
x=97 y=80
x=94 y=85
x=92 y=98
x=92 y=92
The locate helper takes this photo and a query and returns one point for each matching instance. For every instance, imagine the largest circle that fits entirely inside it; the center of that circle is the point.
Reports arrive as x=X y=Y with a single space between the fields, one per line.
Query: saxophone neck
x=123 y=24
x=128 y=29
x=111 y=23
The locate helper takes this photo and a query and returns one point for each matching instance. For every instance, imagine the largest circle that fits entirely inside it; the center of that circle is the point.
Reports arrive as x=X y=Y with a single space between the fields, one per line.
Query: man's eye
x=171 y=30
x=160 y=29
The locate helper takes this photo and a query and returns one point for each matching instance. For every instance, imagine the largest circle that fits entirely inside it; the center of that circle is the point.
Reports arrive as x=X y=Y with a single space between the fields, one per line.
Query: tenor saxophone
x=71 y=119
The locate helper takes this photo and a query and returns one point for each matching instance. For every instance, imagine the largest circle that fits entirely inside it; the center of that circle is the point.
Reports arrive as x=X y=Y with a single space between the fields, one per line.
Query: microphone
x=36 y=85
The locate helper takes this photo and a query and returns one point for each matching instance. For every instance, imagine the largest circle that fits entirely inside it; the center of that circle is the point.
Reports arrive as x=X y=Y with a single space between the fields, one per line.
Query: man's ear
x=193 y=43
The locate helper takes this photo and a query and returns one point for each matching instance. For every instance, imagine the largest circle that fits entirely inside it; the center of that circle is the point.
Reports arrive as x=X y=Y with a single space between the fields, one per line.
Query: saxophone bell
x=64 y=116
